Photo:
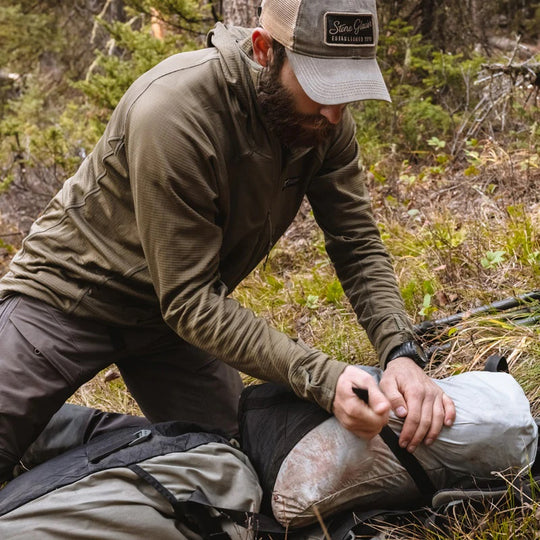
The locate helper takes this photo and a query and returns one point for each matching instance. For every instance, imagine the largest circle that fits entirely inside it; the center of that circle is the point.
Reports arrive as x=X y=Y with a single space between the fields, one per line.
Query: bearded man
x=201 y=169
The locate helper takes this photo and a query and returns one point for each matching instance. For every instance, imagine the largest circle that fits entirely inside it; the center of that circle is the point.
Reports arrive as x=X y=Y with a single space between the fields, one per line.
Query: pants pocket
x=7 y=305
x=74 y=348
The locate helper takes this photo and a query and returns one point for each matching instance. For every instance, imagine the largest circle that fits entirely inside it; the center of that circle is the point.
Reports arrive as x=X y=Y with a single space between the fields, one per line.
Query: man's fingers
x=418 y=427
x=396 y=399
x=437 y=421
x=427 y=427
x=365 y=420
x=378 y=402
x=406 y=390
x=427 y=407
x=444 y=414
x=361 y=420
x=449 y=411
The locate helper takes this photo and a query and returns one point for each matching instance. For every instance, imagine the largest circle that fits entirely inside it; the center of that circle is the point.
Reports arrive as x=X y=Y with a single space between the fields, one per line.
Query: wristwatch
x=410 y=349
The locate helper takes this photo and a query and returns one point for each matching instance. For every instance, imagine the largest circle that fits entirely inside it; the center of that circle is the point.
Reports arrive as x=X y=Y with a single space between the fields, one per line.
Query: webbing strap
x=409 y=462
x=192 y=514
x=195 y=511
x=258 y=523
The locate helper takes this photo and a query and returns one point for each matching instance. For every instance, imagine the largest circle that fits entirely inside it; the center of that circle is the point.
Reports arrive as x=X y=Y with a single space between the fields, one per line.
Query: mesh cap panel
x=279 y=18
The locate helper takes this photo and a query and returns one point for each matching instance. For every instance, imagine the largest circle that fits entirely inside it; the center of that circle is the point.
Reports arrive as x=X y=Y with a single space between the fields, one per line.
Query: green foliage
x=182 y=16
x=24 y=35
x=34 y=143
x=415 y=116
x=427 y=306
x=136 y=52
x=312 y=301
x=492 y=259
x=334 y=292
x=6 y=182
x=522 y=237
x=430 y=140
x=436 y=143
x=434 y=98
x=48 y=123
x=419 y=293
x=8 y=247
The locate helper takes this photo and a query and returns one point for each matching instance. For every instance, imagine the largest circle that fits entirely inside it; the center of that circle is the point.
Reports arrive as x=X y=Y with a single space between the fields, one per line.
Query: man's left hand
x=416 y=398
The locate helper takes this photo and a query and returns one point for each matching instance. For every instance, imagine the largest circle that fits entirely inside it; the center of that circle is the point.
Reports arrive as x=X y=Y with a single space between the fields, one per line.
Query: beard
x=293 y=129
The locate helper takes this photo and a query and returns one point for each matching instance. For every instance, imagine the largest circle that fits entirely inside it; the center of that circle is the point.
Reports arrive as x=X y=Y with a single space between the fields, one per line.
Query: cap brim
x=333 y=81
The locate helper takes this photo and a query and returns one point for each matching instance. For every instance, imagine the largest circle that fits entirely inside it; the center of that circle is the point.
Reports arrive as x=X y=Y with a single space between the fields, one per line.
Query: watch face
x=419 y=351
x=420 y=354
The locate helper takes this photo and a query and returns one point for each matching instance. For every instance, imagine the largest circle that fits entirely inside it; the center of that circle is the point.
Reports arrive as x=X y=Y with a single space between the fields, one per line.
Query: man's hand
x=364 y=420
x=416 y=397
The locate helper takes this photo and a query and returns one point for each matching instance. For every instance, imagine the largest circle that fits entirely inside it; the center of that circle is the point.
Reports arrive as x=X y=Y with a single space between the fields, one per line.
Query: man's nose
x=332 y=113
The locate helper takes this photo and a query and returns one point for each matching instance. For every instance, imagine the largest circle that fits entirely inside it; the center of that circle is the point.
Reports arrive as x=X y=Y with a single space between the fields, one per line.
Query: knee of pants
x=206 y=394
x=41 y=367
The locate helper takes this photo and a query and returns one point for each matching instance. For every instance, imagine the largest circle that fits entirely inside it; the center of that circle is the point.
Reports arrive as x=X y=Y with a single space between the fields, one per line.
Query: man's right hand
x=364 y=420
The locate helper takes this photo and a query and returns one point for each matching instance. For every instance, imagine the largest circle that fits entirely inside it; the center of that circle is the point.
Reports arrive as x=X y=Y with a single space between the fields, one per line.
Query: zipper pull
x=131 y=439
x=269 y=246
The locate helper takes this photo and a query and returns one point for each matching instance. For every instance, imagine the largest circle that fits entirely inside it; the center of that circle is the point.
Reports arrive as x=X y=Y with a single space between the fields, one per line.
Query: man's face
x=297 y=120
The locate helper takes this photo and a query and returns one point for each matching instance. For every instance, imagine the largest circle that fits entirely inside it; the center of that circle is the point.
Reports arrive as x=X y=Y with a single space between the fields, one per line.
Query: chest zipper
x=270 y=235
x=280 y=186
x=284 y=158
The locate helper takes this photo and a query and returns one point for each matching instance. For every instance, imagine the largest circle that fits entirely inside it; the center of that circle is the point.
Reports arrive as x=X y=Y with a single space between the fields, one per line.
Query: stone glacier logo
x=349 y=29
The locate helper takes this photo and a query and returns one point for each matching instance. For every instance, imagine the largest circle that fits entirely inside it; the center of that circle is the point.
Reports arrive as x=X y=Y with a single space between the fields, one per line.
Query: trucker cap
x=331 y=46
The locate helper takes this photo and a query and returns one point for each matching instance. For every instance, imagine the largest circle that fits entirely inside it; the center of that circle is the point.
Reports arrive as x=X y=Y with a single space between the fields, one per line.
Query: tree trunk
x=240 y=12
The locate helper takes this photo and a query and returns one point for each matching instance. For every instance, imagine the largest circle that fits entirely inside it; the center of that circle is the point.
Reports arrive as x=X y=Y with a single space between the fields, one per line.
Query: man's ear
x=262 y=46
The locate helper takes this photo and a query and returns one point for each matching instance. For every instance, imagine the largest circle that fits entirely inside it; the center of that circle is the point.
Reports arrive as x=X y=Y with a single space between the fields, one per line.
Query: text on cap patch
x=349 y=29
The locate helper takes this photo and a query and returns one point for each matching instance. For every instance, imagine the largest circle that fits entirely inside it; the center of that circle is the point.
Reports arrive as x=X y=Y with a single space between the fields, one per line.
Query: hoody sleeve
x=175 y=180
x=342 y=208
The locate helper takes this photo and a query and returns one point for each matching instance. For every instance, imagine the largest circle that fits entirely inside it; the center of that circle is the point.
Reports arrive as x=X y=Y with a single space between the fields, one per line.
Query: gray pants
x=46 y=355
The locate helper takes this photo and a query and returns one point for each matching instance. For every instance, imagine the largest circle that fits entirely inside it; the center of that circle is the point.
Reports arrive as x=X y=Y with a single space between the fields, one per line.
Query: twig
x=321 y=523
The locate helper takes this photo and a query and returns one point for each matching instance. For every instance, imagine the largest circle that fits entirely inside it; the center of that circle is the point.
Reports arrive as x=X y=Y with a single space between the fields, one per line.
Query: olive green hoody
x=185 y=193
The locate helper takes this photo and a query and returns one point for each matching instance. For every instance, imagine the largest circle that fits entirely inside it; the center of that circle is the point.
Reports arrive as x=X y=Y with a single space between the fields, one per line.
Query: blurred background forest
x=464 y=78
x=453 y=164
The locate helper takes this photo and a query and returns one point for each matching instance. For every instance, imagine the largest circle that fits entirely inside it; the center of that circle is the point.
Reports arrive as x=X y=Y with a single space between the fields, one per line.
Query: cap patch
x=348 y=29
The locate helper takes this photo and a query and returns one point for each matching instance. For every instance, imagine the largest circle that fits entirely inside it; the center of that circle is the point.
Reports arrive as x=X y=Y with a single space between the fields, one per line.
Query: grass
x=512 y=515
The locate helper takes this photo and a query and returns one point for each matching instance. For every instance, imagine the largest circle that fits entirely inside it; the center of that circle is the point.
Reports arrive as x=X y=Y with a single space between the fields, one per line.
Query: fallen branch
x=526 y=70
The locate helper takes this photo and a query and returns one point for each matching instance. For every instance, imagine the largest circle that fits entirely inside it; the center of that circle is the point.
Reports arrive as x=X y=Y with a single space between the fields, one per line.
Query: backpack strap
x=196 y=512
x=193 y=515
x=408 y=461
x=412 y=465
x=254 y=521
x=118 y=448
